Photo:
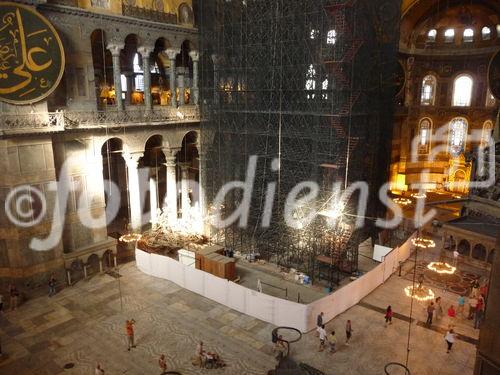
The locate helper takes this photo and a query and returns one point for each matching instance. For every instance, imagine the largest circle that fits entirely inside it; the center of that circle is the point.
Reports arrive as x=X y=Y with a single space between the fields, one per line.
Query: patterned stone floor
x=84 y=324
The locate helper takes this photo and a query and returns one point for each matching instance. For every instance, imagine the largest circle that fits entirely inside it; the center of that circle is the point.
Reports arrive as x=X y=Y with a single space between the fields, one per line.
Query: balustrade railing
x=60 y=120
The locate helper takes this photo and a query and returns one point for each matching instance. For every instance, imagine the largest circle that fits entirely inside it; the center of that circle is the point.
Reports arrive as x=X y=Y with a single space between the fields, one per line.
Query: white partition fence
x=271 y=309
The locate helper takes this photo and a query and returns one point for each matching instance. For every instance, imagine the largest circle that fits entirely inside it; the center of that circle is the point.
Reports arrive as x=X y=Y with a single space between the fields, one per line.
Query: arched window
x=486 y=134
x=462 y=91
x=139 y=75
x=428 y=90
x=498 y=30
x=431 y=35
x=449 y=35
x=468 y=35
x=457 y=136
x=311 y=81
x=314 y=33
x=324 y=87
x=486 y=33
x=424 y=133
x=331 y=37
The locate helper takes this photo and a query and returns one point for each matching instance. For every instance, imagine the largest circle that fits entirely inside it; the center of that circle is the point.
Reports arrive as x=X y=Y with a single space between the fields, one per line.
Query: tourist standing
x=99 y=370
x=322 y=338
x=52 y=285
x=439 y=308
x=472 y=307
x=461 y=305
x=388 y=315
x=348 y=332
x=129 y=328
x=163 y=364
x=456 y=255
x=319 y=322
x=200 y=353
x=430 y=313
x=14 y=295
x=478 y=316
x=332 y=341
x=450 y=338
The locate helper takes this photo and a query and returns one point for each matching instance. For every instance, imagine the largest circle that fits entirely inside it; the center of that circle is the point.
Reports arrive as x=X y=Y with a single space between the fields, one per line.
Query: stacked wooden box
x=211 y=260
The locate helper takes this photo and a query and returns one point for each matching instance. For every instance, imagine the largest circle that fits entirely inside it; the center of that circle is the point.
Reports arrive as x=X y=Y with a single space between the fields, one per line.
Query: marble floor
x=84 y=324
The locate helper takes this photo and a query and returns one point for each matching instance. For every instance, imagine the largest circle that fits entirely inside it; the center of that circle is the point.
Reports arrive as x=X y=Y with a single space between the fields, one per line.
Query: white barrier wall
x=271 y=309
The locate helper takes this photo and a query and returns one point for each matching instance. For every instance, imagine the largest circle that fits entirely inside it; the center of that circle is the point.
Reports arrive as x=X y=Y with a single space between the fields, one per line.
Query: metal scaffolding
x=306 y=82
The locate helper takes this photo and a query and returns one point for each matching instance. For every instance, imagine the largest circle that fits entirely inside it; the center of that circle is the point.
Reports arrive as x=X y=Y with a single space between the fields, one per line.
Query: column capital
x=115 y=48
x=170 y=152
x=145 y=51
x=170 y=161
x=184 y=166
x=195 y=55
x=132 y=158
x=172 y=53
x=217 y=59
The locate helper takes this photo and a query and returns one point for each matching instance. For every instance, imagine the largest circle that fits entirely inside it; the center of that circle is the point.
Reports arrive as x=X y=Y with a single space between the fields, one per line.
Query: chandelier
x=419 y=195
x=442 y=268
x=130 y=237
x=402 y=201
x=420 y=293
x=422 y=242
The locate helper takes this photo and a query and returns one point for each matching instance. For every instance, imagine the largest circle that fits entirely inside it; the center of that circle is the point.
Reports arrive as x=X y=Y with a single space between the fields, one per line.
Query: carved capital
x=172 y=53
x=115 y=48
x=170 y=152
x=195 y=56
x=132 y=159
x=145 y=51
x=216 y=59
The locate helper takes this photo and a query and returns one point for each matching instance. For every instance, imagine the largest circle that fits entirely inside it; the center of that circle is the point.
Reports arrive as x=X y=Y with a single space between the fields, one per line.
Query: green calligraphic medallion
x=31 y=55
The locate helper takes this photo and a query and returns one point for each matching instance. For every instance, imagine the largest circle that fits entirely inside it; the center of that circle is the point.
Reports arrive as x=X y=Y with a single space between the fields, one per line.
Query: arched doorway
x=115 y=172
x=93 y=265
x=184 y=65
x=188 y=164
x=160 y=74
x=153 y=163
x=491 y=256
x=103 y=69
x=464 y=248
x=479 y=252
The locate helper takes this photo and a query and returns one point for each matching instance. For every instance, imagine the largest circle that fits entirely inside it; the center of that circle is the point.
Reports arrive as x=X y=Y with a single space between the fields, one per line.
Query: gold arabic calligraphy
x=31 y=60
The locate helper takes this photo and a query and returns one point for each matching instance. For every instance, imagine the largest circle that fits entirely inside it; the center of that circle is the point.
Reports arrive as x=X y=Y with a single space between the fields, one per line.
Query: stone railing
x=31 y=122
x=149 y=14
x=59 y=121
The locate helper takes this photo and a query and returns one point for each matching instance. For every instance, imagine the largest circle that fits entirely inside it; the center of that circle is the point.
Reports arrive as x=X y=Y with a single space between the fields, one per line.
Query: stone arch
x=103 y=67
x=76 y=270
x=108 y=259
x=479 y=252
x=189 y=164
x=464 y=248
x=154 y=162
x=92 y=264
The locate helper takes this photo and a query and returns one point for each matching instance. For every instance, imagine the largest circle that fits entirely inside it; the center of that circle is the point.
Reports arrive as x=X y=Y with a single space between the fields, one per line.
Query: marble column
x=115 y=50
x=180 y=83
x=145 y=52
x=132 y=161
x=185 y=203
x=171 y=187
x=130 y=87
x=172 y=54
x=195 y=92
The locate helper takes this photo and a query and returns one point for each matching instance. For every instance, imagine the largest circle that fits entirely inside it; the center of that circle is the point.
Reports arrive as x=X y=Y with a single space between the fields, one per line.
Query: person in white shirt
x=322 y=337
x=450 y=338
x=456 y=254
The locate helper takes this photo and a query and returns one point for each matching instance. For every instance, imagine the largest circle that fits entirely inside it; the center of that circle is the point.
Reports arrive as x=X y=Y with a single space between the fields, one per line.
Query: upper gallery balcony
x=48 y=122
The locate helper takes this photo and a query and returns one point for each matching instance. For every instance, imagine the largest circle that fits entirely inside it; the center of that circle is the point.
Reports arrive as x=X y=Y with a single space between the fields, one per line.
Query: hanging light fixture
x=402 y=201
x=421 y=293
x=130 y=237
x=419 y=195
x=441 y=268
x=423 y=243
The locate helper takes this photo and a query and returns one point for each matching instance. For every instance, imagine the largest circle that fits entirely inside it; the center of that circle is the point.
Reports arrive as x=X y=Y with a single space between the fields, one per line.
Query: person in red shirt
x=451 y=312
x=388 y=315
x=129 y=328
